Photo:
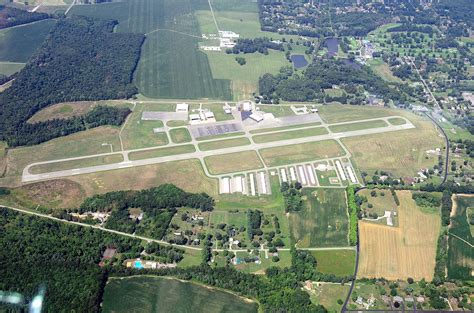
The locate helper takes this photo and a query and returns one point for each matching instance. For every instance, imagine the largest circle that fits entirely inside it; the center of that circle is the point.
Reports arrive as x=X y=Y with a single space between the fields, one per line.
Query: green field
x=307 y=132
x=171 y=66
x=267 y=130
x=17 y=44
x=180 y=135
x=328 y=295
x=67 y=165
x=383 y=70
x=161 y=152
x=461 y=254
x=337 y=262
x=138 y=134
x=233 y=162
x=323 y=222
x=154 y=294
x=221 y=144
x=397 y=121
x=357 y=126
x=8 y=68
x=335 y=113
x=324 y=177
x=301 y=152
x=279 y=111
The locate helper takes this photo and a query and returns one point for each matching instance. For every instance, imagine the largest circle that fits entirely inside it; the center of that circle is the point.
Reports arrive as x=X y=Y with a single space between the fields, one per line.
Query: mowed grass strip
x=335 y=113
x=400 y=252
x=301 y=152
x=267 y=130
x=308 y=132
x=161 y=152
x=180 y=135
x=68 y=165
x=233 y=162
x=146 y=294
x=222 y=144
x=397 y=121
x=357 y=126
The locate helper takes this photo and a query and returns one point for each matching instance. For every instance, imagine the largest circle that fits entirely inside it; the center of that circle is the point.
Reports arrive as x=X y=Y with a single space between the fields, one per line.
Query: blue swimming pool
x=138 y=264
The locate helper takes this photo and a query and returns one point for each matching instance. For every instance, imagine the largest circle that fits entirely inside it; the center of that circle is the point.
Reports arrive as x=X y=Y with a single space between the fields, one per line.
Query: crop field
x=336 y=113
x=138 y=134
x=171 y=66
x=402 y=153
x=17 y=44
x=357 y=126
x=323 y=222
x=337 y=262
x=221 y=144
x=301 y=152
x=150 y=294
x=180 y=135
x=233 y=162
x=460 y=253
x=161 y=152
x=92 y=141
x=101 y=160
x=143 y=177
x=400 y=252
x=307 y=132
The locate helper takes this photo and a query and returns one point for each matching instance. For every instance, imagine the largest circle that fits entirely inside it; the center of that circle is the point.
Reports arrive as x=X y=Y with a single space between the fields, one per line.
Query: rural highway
x=29 y=177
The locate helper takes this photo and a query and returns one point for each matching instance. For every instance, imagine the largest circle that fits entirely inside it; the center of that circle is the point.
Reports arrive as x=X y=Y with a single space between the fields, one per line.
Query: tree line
x=12 y=16
x=82 y=59
x=260 y=45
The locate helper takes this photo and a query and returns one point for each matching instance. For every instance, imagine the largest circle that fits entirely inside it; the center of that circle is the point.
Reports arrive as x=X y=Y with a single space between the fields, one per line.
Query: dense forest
x=323 y=74
x=63 y=259
x=81 y=59
x=12 y=16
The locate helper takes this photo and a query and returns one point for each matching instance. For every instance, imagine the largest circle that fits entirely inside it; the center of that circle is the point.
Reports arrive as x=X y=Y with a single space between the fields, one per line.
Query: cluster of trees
x=441 y=258
x=158 y=205
x=165 y=254
x=82 y=59
x=426 y=200
x=446 y=207
x=162 y=197
x=354 y=209
x=11 y=16
x=255 y=45
x=254 y=220
x=292 y=196
x=358 y=23
x=323 y=74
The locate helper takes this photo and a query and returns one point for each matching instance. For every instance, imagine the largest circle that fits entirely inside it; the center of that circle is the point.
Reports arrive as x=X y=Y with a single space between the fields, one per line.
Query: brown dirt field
x=400 y=252
x=402 y=153
x=60 y=193
x=187 y=174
